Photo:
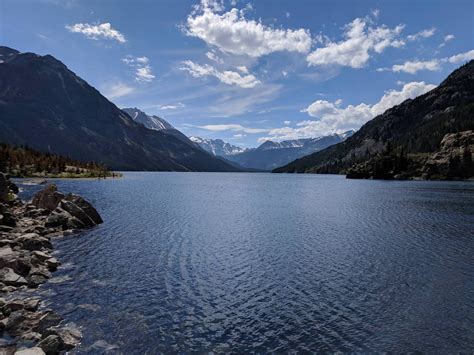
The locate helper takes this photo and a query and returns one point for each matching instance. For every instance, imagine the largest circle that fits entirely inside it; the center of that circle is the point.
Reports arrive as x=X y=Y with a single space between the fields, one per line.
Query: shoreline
x=26 y=261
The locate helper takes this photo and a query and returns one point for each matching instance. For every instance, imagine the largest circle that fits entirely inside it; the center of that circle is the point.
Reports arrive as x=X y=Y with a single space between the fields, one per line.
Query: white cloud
x=214 y=57
x=232 y=33
x=422 y=34
x=232 y=127
x=359 y=43
x=462 y=57
x=333 y=118
x=412 y=67
x=144 y=74
x=143 y=71
x=449 y=38
x=287 y=122
x=227 y=76
x=103 y=30
x=284 y=73
x=243 y=69
x=117 y=90
x=239 y=135
x=172 y=106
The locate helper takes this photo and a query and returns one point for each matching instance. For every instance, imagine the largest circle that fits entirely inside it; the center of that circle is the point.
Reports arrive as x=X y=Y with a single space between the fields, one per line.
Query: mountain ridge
x=45 y=105
x=413 y=128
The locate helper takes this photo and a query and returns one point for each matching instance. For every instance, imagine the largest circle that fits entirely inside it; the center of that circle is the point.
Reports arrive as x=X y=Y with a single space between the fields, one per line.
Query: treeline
x=23 y=161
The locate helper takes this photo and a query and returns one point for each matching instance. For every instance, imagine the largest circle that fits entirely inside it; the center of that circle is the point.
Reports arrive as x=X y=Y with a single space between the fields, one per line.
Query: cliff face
x=410 y=131
x=454 y=160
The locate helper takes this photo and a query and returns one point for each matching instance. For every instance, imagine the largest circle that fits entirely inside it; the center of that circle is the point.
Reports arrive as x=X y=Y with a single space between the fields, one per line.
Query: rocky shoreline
x=26 y=262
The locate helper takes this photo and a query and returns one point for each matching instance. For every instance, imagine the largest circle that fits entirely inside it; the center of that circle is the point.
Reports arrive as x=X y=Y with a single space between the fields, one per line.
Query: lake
x=200 y=262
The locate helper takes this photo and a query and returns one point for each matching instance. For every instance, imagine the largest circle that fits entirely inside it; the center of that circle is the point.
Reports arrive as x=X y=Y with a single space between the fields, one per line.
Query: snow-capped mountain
x=308 y=143
x=270 y=155
x=151 y=122
x=217 y=146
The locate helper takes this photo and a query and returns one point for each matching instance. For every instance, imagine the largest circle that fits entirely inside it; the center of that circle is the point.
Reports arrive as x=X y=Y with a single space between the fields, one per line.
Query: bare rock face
x=454 y=160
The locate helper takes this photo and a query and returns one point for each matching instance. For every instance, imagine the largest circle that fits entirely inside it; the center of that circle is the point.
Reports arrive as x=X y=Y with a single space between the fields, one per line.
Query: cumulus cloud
x=143 y=71
x=412 y=67
x=332 y=117
x=462 y=57
x=231 y=32
x=103 y=30
x=422 y=34
x=232 y=127
x=117 y=90
x=227 y=76
x=359 y=43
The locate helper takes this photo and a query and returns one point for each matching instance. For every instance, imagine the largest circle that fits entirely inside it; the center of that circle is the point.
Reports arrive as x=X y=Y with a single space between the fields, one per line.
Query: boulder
x=52 y=344
x=31 y=351
x=7 y=255
x=52 y=264
x=77 y=212
x=49 y=319
x=10 y=278
x=56 y=220
x=70 y=336
x=86 y=207
x=33 y=241
x=74 y=223
x=48 y=198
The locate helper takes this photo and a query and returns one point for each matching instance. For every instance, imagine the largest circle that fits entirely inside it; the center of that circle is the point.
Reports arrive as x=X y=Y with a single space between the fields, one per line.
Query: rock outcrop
x=454 y=160
x=26 y=261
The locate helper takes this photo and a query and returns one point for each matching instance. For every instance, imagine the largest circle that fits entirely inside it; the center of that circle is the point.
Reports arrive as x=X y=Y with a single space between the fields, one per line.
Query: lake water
x=199 y=262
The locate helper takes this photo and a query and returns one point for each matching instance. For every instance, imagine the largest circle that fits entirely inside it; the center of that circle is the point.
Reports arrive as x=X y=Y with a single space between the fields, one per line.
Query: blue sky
x=249 y=71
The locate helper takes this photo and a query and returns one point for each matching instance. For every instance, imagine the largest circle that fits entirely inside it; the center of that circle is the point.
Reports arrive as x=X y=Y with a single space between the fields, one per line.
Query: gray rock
x=77 y=212
x=10 y=278
x=33 y=241
x=70 y=336
x=32 y=304
x=86 y=207
x=74 y=223
x=52 y=344
x=52 y=264
x=56 y=220
x=30 y=351
x=48 y=198
x=49 y=319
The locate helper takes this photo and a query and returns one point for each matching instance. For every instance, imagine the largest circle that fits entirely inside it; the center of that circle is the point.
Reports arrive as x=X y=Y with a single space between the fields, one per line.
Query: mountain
x=270 y=154
x=156 y=123
x=49 y=108
x=217 y=146
x=151 y=122
x=401 y=141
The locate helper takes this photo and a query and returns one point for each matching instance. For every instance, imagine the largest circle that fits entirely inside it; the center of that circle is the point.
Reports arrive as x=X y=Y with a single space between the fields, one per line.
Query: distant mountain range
x=429 y=136
x=46 y=106
x=217 y=147
x=269 y=154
